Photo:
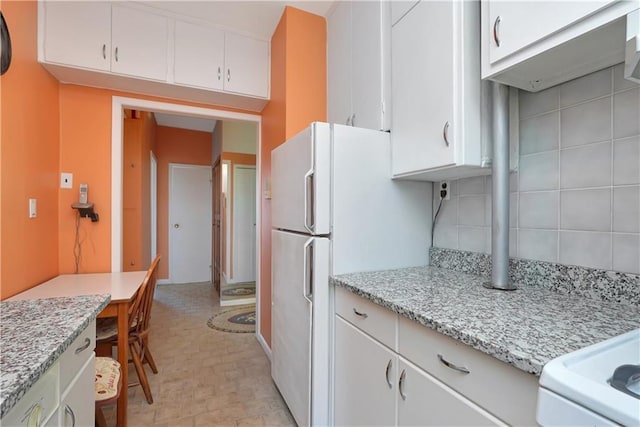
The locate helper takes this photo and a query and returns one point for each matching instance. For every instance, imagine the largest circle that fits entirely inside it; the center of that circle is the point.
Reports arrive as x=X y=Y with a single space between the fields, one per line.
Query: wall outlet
x=33 y=208
x=444 y=190
x=66 y=180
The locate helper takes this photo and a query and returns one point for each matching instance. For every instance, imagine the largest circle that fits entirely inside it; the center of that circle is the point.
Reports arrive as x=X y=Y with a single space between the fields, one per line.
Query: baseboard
x=243 y=301
x=163 y=282
x=263 y=343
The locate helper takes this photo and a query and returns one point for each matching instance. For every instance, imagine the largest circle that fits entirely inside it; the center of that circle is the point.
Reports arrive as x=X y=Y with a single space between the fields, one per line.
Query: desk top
x=121 y=286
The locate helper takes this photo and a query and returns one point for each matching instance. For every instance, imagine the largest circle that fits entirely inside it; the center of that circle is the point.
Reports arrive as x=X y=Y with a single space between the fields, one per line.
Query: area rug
x=238 y=320
x=239 y=290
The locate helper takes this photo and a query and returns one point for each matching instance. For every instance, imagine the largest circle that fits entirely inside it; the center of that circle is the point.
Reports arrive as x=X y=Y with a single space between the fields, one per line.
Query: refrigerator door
x=299 y=328
x=300 y=181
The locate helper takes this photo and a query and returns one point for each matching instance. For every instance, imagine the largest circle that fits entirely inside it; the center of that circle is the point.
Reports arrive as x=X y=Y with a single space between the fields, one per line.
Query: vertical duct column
x=500 y=189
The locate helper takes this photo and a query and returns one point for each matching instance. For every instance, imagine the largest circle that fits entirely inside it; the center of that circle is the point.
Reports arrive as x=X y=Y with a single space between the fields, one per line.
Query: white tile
x=532 y=103
x=626 y=161
x=445 y=236
x=588 y=166
x=584 y=88
x=539 y=245
x=539 y=172
x=626 y=113
x=586 y=123
x=626 y=209
x=539 y=210
x=448 y=211
x=488 y=209
x=588 y=210
x=513 y=243
x=473 y=185
x=619 y=82
x=473 y=239
x=586 y=249
x=471 y=210
x=513 y=209
x=626 y=253
x=513 y=181
x=539 y=134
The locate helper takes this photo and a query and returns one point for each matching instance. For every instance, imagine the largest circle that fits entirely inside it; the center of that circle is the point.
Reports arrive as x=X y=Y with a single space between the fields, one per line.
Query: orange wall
x=175 y=146
x=298 y=97
x=29 y=152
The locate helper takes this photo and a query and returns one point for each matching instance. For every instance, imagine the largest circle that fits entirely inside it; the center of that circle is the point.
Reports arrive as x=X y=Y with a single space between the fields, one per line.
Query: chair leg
x=104 y=349
x=100 y=419
x=149 y=359
x=142 y=375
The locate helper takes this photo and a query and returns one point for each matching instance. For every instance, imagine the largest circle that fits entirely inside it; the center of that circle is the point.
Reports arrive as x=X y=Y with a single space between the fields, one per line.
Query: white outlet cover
x=66 y=180
x=33 y=208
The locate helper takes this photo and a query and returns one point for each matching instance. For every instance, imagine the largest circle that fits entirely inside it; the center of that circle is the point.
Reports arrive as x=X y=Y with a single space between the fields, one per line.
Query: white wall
x=576 y=197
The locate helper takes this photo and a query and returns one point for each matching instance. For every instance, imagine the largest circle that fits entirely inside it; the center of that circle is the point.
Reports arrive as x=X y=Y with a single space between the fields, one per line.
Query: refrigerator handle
x=308 y=201
x=307 y=278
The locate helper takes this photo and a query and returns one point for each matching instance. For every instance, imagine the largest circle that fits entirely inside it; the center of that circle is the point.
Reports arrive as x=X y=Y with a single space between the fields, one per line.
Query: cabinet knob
x=104 y=51
x=219 y=74
x=401 y=385
x=445 y=133
x=363 y=315
x=228 y=74
x=68 y=410
x=448 y=364
x=116 y=56
x=387 y=374
x=348 y=122
x=496 y=31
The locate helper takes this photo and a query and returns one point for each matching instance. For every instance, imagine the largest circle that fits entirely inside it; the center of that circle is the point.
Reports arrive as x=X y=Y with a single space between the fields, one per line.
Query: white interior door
x=244 y=223
x=189 y=223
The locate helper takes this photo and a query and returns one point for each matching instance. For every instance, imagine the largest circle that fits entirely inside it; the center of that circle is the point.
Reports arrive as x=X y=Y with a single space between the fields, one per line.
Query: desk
x=121 y=286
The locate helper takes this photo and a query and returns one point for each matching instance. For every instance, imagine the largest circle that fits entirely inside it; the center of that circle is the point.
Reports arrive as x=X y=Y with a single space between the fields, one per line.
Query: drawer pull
x=68 y=410
x=496 y=31
x=363 y=315
x=401 y=385
x=462 y=369
x=445 y=133
x=387 y=374
x=83 y=347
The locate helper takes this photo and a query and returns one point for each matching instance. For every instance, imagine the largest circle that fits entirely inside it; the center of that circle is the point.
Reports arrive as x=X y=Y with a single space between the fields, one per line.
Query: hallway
x=206 y=377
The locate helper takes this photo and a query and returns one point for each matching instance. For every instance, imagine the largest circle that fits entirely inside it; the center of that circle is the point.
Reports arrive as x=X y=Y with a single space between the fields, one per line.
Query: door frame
x=154 y=204
x=172 y=168
x=118 y=104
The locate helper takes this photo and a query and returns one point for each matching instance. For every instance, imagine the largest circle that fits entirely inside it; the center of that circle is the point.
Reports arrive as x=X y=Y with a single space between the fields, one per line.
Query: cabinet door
x=247 y=66
x=422 y=71
x=77 y=406
x=139 y=43
x=78 y=33
x=339 y=76
x=365 y=379
x=199 y=55
x=425 y=401
x=523 y=23
x=399 y=8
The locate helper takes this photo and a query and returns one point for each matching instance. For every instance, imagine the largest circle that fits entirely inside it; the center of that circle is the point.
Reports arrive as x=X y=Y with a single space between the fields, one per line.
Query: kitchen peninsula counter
x=35 y=333
x=525 y=328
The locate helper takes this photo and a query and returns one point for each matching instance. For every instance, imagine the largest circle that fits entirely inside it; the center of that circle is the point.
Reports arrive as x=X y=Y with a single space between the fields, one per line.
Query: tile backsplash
x=576 y=197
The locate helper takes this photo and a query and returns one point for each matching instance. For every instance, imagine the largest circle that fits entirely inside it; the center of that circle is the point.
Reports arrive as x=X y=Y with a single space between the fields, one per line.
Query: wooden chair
x=107 y=386
x=139 y=326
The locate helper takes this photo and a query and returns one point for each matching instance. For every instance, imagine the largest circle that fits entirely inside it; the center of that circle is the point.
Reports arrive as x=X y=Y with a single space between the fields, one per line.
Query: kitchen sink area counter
x=525 y=328
x=35 y=333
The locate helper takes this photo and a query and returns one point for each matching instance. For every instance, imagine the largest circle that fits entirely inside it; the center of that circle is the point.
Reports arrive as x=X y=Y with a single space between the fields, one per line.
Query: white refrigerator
x=334 y=210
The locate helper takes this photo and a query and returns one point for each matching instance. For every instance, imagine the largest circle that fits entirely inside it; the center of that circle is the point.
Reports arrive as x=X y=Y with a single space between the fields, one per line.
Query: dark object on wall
x=5 y=46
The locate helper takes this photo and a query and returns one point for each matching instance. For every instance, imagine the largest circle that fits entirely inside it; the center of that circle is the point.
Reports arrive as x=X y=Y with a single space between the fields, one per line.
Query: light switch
x=66 y=180
x=33 y=205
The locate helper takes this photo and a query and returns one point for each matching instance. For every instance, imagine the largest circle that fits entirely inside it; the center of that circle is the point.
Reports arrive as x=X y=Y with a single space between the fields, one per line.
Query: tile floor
x=206 y=377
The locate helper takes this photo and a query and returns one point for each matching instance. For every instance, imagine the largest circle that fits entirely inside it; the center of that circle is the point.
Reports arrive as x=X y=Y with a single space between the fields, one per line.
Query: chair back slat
x=147 y=299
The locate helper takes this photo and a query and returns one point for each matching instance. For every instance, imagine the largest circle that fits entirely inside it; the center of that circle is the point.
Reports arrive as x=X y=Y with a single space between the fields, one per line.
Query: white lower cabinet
x=77 y=407
x=418 y=376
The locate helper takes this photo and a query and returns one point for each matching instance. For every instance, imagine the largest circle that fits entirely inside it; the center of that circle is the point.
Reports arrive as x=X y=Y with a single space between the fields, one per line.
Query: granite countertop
x=525 y=328
x=34 y=333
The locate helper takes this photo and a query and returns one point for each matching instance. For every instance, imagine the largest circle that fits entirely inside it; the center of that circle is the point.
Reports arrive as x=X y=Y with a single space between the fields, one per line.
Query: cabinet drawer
x=77 y=354
x=377 y=321
x=41 y=397
x=512 y=396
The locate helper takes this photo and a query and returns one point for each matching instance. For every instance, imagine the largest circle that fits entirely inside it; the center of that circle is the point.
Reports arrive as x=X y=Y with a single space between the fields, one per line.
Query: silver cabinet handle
x=309 y=202
x=228 y=74
x=307 y=266
x=353 y=119
x=219 y=75
x=401 y=385
x=462 y=369
x=445 y=133
x=104 y=51
x=496 y=31
x=68 y=410
x=348 y=122
x=363 y=315
x=83 y=347
x=116 y=54
x=387 y=374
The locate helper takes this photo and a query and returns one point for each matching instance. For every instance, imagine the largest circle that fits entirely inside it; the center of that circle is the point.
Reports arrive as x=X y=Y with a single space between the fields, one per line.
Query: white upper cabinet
x=399 y=8
x=358 y=64
x=534 y=45
x=78 y=33
x=199 y=55
x=435 y=130
x=139 y=43
x=246 y=65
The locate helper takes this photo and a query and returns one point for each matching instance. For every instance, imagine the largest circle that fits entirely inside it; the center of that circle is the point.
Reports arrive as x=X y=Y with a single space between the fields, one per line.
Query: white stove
x=580 y=388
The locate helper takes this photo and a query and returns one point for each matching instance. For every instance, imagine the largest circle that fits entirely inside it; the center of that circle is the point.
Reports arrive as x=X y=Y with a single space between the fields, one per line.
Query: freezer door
x=299 y=325
x=300 y=181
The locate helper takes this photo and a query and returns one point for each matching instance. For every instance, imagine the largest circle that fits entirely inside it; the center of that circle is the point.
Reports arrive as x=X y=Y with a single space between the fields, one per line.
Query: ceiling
x=249 y=17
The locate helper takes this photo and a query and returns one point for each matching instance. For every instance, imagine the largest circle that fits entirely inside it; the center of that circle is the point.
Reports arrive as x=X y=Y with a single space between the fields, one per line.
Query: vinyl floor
x=206 y=377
